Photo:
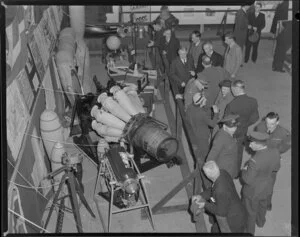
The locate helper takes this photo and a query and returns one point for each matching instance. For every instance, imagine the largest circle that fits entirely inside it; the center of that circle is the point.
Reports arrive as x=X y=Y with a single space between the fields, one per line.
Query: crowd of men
x=220 y=111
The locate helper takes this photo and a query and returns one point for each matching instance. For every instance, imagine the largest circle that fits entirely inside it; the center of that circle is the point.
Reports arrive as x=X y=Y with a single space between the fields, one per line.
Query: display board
x=31 y=34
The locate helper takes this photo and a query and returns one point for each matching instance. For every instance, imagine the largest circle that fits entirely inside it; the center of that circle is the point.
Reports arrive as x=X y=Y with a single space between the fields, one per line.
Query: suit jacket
x=280 y=138
x=189 y=91
x=225 y=202
x=281 y=13
x=171 y=48
x=259 y=21
x=216 y=59
x=224 y=152
x=194 y=52
x=258 y=177
x=180 y=72
x=247 y=108
x=241 y=27
x=233 y=59
x=201 y=121
x=213 y=75
x=222 y=102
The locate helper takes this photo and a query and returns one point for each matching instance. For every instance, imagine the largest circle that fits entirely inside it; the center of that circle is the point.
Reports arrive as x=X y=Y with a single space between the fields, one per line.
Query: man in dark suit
x=169 y=48
x=247 y=109
x=241 y=26
x=213 y=76
x=257 y=22
x=224 y=146
x=281 y=13
x=156 y=44
x=283 y=44
x=216 y=58
x=222 y=199
x=279 y=138
x=256 y=178
x=182 y=69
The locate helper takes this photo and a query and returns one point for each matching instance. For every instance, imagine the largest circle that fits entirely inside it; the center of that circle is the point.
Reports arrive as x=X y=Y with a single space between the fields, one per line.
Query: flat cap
x=258 y=136
x=231 y=120
x=225 y=83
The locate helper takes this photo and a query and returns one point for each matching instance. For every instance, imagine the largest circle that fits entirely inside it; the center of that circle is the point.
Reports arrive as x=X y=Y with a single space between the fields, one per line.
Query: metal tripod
x=73 y=187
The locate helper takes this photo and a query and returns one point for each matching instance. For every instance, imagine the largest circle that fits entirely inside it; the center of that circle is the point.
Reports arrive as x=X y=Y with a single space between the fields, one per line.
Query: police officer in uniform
x=257 y=180
x=279 y=138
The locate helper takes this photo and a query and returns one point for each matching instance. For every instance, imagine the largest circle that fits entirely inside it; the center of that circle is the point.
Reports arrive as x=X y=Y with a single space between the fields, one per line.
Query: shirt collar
x=197 y=43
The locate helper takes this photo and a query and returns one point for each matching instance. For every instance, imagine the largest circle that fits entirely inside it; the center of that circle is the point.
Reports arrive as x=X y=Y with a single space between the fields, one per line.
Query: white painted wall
x=191 y=18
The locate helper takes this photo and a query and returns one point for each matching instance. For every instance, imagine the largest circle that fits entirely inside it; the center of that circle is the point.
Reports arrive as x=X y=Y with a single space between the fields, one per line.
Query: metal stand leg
x=82 y=198
x=55 y=199
x=74 y=202
x=110 y=206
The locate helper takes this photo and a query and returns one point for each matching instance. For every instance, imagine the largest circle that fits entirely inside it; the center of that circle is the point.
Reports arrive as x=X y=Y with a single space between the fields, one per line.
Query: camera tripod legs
x=73 y=188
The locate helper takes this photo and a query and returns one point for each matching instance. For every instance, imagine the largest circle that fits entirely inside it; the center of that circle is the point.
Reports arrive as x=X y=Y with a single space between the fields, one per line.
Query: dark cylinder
x=147 y=134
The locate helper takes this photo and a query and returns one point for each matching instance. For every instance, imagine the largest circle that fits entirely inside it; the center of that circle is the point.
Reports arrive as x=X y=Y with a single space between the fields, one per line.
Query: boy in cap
x=224 y=146
x=280 y=138
x=199 y=115
x=221 y=200
x=257 y=179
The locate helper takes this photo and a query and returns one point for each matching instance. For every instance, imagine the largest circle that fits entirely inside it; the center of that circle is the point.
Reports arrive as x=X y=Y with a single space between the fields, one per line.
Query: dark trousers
x=280 y=53
x=256 y=212
x=240 y=150
x=254 y=47
x=269 y=197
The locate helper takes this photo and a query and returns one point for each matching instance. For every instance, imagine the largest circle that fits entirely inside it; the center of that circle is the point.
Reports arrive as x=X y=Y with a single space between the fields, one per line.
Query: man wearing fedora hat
x=199 y=115
x=192 y=87
x=256 y=22
x=224 y=146
x=257 y=181
x=224 y=97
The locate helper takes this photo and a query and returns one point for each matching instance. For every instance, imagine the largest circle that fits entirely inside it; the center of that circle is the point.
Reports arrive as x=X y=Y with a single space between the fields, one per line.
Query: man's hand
x=215 y=109
x=255 y=28
x=164 y=52
x=193 y=73
x=179 y=96
x=151 y=43
x=249 y=27
x=183 y=84
x=232 y=76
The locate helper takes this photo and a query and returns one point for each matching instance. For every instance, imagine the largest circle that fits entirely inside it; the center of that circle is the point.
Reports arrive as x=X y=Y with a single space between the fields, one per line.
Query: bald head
x=211 y=170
